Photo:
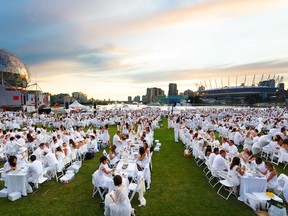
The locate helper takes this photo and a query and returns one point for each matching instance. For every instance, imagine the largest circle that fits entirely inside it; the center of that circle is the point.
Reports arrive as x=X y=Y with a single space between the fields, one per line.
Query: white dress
x=103 y=179
x=106 y=136
x=273 y=183
x=121 y=205
x=233 y=176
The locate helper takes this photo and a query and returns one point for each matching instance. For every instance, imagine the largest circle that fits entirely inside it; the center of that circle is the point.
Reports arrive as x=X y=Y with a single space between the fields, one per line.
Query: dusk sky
x=118 y=48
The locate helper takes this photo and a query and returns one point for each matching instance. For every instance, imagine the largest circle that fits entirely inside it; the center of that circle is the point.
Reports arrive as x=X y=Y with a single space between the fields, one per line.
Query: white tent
x=77 y=105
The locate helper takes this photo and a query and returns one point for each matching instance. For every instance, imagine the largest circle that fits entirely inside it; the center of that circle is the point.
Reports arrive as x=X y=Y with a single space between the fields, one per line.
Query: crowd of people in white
x=46 y=143
x=261 y=133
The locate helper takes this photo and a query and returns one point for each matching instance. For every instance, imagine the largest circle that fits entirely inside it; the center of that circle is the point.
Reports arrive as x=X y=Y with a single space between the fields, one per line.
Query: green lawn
x=178 y=187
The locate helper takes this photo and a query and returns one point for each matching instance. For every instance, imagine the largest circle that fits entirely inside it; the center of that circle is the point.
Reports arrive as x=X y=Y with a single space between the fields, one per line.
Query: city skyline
x=112 y=50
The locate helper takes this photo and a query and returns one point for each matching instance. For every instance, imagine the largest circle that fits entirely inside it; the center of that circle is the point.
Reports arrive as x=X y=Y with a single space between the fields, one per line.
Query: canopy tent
x=77 y=105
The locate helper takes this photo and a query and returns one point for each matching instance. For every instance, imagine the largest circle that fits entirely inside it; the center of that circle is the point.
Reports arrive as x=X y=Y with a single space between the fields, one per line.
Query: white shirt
x=34 y=170
x=219 y=163
x=49 y=160
x=116 y=141
x=211 y=158
x=232 y=150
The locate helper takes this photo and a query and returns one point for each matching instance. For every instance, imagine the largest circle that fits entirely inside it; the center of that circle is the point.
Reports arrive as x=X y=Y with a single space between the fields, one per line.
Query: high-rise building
x=129 y=99
x=151 y=94
x=136 y=99
x=172 y=89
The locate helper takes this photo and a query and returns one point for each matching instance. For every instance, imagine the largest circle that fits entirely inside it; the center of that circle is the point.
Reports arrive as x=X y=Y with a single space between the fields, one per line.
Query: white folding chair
x=150 y=161
x=41 y=179
x=146 y=173
x=201 y=158
x=214 y=175
x=275 y=157
x=266 y=152
x=135 y=187
x=1 y=178
x=96 y=187
x=227 y=185
x=282 y=181
x=57 y=171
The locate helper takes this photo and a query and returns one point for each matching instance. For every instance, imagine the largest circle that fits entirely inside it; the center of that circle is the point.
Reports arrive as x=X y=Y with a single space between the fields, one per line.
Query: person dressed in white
x=225 y=144
x=117 y=141
x=234 y=172
x=93 y=145
x=219 y=163
x=232 y=149
x=106 y=136
x=22 y=157
x=117 y=202
x=49 y=162
x=270 y=172
x=11 y=147
x=39 y=151
x=113 y=155
x=9 y=166
x=213 y=155
x=34 y=169
x=176 y=129
x=258 y=164
x=104 y=171
x=60 y=156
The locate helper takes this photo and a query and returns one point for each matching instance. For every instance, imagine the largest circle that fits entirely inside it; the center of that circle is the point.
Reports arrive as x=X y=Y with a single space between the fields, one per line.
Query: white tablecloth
x=17 y=181
x=252 y=184
x=130 y=170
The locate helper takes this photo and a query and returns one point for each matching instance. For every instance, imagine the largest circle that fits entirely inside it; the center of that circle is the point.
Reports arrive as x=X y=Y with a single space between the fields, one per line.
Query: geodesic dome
x=13 y=71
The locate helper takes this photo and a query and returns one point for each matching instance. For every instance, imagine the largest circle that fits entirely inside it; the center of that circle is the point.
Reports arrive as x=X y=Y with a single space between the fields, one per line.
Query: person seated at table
x=60 y=156
x=74 y=149
x=219 y=163
x=270 y=172
x=113 y=156
x=213 y=155
x=39 y=151
x=225 y=144
x=66 y=149
x=204 y=146
x=34 y=170
x=142 y=159
x=232 y=149
x=22 y=157
x=9 y=166
x=93 y=145
x=117 y=202
x=208 y=151
x=49 y=162
x=246 y=155
x=234 y=171
x=117 y=141
x=258 y=164
x=146 y=148
x=104 y=171
x=284 y=147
